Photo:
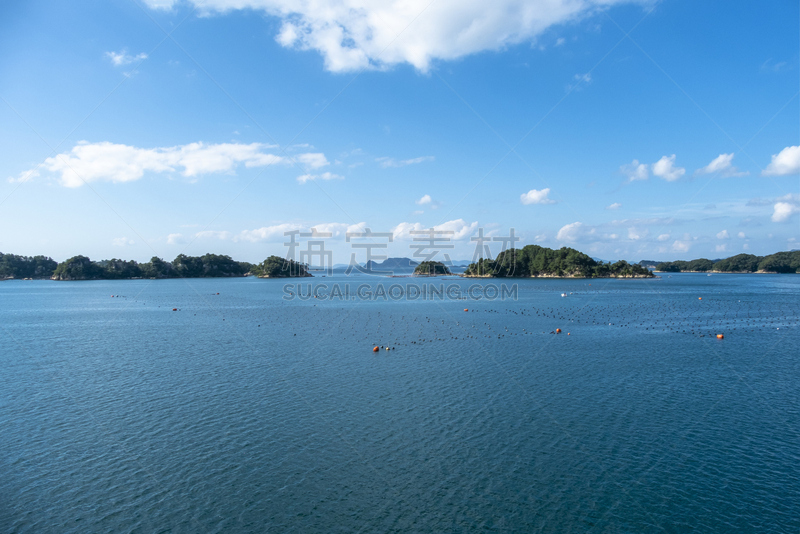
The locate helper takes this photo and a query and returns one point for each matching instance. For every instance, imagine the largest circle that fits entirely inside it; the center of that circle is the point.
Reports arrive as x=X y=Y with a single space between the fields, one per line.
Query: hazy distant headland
x=530 y=261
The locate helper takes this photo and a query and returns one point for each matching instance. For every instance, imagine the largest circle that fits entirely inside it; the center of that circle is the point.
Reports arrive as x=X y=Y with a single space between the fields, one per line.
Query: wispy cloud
x=459 y=227
x=123 y=58
x=122 y=242
x=387 y=162
x=723 y=166
x=635 y=171
x=324 y=176
x=276 y=232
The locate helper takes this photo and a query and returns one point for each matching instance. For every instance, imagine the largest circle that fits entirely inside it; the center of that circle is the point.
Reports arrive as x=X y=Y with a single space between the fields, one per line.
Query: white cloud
x=426 y=199
x=723 y=235
x=722 y=248
x=213 y=234
x=324 y=176
x=783 y=210
x=572 y=232
x=418 y=212
x=110 y=162
x=579 y=80
x=123 y=58
x=355 y=34
x=787 y=161
x=175 y=239
x=314 y=160
x=386 y=162
x=663 y=237
x=741 y=235
x=122 y=242
x=614 y=206
x=460 y=228
x=276 y=232
x=635 y=234
x=560 y=41
x=635 y=171
x=680 y=246
x=746 y=246
x=665 y=168
x=536 y=197
x=23 y=176
x=722 y=165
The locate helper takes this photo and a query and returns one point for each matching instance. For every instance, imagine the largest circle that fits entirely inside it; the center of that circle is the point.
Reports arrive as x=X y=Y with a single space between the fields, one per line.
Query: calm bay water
x=243 y=412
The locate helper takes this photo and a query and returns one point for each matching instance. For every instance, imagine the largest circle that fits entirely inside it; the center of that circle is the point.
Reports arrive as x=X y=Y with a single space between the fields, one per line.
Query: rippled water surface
x=245 y=412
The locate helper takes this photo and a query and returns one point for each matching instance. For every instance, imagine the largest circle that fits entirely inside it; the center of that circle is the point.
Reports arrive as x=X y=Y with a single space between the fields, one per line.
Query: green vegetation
x=13 y=266
x=277 y=267
x=207 y=266
x=700 y=266
x=741 y=263
x=533 y=260
x=780 y=262
x=431 y=268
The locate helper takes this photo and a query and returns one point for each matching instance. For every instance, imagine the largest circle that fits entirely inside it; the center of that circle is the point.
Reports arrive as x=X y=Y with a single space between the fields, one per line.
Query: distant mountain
x=391 y=264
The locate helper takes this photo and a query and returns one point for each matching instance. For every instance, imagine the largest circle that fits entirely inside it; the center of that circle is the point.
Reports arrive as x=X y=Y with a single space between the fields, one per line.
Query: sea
x=276 y=405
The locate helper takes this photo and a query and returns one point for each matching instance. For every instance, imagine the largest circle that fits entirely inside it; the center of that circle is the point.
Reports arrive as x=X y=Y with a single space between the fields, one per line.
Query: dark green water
x=244 y=412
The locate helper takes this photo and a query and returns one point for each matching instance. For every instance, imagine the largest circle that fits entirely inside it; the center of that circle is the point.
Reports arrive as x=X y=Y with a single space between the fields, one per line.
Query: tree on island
x=277 y=267
x=78 y=268
x=14 y=266
x=431 y=268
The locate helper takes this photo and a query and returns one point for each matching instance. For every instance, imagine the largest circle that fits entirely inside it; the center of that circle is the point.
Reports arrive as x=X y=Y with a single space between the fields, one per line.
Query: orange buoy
x=720 y=336
x=376 y=349
x=466 y=309
x=567 y=333
x=558 y=330
x=174 y=309
x=699 y=298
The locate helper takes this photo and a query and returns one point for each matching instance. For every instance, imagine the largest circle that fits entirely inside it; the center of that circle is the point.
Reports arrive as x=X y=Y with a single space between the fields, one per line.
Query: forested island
x=206 y=266
x=277 y=267
x=535 y=261
x=13 y=266
x=431 y=268
x=529 y=261
x=780 y=262
x=82 y=268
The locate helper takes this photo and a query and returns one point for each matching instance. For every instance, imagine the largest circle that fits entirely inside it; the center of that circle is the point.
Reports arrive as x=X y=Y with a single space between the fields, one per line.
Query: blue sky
x=638 y=130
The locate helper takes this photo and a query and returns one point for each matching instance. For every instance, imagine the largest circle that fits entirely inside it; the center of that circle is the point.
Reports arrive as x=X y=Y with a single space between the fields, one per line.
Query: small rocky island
x=431 y=268
x=277 y=267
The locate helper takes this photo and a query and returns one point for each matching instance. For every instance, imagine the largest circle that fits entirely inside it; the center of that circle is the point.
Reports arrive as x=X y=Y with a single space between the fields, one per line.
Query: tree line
x=183 y=266
x=533 y=260
x=780 y=262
